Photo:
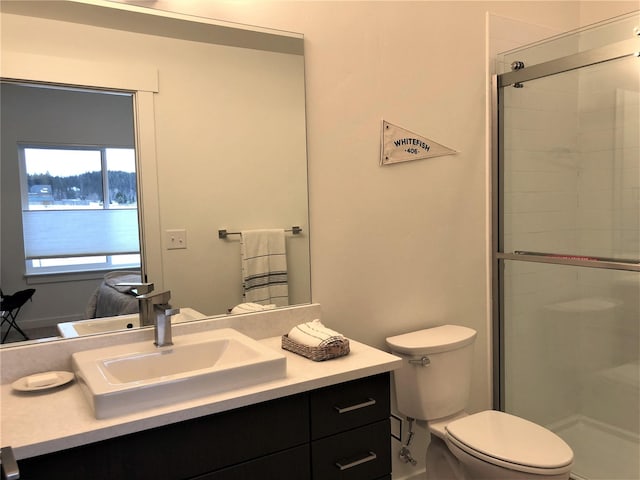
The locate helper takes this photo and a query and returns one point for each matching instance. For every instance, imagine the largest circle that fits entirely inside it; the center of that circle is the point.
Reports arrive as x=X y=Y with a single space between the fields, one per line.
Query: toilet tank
x=438 y=386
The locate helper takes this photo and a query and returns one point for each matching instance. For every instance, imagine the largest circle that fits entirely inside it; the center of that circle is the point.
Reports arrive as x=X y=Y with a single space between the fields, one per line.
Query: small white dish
x=22 y=384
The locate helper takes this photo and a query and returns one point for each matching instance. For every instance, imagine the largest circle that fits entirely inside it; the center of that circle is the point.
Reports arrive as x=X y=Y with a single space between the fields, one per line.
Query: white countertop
x=35 y=423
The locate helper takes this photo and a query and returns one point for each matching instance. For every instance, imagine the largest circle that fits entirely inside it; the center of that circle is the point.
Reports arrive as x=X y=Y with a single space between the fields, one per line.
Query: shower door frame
x=614 y=51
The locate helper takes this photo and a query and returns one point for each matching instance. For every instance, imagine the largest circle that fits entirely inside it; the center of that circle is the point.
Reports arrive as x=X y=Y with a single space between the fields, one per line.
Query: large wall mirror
x=219 y=135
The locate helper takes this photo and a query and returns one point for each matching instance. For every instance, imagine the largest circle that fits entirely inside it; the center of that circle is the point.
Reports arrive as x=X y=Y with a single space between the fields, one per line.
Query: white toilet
x=433 y=385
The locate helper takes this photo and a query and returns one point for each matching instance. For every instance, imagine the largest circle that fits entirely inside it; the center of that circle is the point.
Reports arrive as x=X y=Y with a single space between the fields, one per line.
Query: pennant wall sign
x=400 y=145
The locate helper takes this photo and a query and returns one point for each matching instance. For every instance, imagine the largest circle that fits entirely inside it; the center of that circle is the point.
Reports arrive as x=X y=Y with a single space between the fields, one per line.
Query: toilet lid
x=511 y=441
x=432 y=340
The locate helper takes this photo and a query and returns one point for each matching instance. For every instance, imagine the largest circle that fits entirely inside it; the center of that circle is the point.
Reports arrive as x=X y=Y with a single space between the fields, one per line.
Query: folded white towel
x=315 y=334
x=251 y=307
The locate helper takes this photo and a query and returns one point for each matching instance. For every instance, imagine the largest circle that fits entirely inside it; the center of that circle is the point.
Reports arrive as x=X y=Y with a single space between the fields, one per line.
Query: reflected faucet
x=154 y=309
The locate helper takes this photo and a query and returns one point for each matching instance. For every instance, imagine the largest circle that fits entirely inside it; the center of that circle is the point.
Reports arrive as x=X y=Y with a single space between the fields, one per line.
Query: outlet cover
x=176 y=239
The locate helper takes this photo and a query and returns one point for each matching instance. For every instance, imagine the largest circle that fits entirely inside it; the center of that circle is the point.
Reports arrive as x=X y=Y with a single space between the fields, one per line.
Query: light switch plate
x=176 y=239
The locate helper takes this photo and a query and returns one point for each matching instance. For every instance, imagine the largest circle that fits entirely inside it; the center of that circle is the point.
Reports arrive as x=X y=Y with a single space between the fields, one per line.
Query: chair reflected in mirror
x=10 y=306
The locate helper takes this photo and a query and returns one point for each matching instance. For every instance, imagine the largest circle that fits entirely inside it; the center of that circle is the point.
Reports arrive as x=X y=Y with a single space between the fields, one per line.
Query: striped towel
x=264 y=267
x=315 y=334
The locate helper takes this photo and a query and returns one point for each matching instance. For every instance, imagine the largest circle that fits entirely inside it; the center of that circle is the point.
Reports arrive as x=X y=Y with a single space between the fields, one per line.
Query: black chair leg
x=11 y=320
x=11 y=306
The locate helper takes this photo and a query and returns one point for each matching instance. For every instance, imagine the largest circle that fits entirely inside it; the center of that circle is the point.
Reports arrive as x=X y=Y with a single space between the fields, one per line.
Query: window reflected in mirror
x=71 y=198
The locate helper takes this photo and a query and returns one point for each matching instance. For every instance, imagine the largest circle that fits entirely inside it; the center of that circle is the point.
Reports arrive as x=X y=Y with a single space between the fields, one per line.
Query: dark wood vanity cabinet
x=340 y=432
x=350 y=430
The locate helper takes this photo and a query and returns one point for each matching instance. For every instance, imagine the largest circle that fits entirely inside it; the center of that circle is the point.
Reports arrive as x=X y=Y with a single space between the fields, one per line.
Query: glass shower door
x=568 y=254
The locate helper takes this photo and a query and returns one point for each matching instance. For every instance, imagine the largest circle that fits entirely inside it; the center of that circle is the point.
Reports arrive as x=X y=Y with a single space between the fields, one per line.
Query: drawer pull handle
x=8 y=465
x=369 y=457
x=358 y=406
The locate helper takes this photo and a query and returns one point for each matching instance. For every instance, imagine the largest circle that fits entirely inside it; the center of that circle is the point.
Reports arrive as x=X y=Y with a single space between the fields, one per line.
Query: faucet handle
x=170 y=312
x=138 y=288
x=156 y=297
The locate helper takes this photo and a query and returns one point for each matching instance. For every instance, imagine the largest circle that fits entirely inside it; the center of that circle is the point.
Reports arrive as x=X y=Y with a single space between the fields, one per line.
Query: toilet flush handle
x=423 y=362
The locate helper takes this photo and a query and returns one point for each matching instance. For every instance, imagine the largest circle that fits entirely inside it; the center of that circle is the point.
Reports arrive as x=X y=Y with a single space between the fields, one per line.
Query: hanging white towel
x=264 y=267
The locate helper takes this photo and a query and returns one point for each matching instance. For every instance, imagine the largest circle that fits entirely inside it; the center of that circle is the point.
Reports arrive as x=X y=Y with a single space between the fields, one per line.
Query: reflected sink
x=120 y=322
x=131 y=378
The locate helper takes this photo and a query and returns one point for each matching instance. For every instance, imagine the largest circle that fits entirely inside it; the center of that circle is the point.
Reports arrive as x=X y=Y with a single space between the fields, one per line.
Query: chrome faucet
x=162 y=327
x=154 y=309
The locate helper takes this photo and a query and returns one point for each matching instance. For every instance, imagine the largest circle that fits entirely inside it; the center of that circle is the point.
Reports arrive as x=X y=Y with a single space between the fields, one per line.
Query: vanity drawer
x=349 y=405
x=360 y=454
x=182 y=450
x=291 y=464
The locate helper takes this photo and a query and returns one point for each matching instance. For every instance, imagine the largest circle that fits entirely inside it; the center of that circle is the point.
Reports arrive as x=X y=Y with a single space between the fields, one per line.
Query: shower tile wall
x=541 y=148
x=571 y=181
x=572 y=187
x=610 y=175
x=609 y=218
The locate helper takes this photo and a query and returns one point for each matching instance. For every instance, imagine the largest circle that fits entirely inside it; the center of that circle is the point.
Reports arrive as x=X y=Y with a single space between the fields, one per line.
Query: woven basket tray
x=316 y=354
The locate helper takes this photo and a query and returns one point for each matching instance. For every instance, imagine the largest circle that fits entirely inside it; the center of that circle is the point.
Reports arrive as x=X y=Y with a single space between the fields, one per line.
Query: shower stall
x=566 y=179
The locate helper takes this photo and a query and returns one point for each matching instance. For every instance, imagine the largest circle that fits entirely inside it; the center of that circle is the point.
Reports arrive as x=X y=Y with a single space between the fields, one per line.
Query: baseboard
x=605 y=427
x=419 y=475
x=43 y=322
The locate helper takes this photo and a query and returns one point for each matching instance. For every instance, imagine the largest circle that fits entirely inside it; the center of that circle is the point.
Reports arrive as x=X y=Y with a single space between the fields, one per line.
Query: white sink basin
x=120 y=322
x=130 y=378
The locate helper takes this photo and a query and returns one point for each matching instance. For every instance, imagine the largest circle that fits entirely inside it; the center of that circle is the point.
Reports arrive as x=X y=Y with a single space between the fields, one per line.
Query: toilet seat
x=510 y=442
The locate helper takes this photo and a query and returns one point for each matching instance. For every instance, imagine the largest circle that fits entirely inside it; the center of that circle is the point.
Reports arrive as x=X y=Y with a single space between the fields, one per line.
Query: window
x=79 y=208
